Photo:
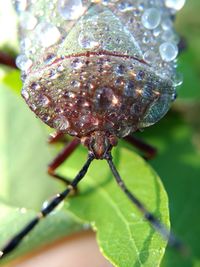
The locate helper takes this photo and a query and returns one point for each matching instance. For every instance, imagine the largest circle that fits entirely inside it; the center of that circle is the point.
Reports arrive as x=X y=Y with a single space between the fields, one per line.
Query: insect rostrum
x=98 y=71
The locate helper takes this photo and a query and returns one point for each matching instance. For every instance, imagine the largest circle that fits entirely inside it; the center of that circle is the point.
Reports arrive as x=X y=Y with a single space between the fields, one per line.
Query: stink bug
x=98 y=71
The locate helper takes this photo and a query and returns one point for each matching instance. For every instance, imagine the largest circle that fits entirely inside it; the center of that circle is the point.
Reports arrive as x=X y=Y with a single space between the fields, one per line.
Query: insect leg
x=60 y=158
x=148 y=150
x=56 y=137
x=7 y=60
x=165 y=233
x=15 y=241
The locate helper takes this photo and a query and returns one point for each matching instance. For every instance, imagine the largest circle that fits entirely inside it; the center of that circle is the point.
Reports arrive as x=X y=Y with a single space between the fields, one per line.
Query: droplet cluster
x=82 y=57
x=148 y=25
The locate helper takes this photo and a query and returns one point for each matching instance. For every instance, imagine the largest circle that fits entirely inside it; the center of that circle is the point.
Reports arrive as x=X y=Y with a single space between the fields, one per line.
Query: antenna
x=15 y=241
x=161 y=228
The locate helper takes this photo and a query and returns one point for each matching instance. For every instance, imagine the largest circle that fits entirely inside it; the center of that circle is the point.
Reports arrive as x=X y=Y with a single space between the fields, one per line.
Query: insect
x=98 y=71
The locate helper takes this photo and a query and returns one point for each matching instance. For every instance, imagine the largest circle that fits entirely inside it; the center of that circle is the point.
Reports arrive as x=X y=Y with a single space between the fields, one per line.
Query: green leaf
x=188 y=26
x=189 y=90
x=54 y=227
x=178 y=163
x=12 y=80
x=125 y=238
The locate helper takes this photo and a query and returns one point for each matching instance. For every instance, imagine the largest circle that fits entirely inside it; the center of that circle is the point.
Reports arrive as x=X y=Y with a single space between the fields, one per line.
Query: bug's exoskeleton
x=98 y=70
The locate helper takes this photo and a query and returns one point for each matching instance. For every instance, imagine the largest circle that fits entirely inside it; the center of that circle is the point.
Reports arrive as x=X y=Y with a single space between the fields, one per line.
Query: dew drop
x=149 y=56
x=25 y=94
x=175 y=4
x=167 y=24
x=76 y=64
x=27 y=20
x=140 y=75
x=61 y=123
x=70 y=9
x=124 y=7
x=157 y=31
x=20 y=5
x=151 y=18
x=44 y=100
x=168 y=51
x=60 y=68
x=23 y=210
x=129 y=88
x=47 y=202
x=47 y=34
x=23 y=63
x=87 y=40
x=177 y=79
x=35 y=86
x=75 y=84
x=120 y=70
x=25 y=44
x=174 y=96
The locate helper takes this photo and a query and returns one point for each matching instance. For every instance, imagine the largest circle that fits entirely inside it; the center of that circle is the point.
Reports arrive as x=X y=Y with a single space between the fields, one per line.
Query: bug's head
x=99 y=143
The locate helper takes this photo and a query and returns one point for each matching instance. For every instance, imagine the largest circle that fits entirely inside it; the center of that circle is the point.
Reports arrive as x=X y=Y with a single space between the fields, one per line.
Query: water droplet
x=47 y=34
x=35 y=86
x=151 y=18
x=168 y=36
x=46 y=118
x=168 y=51
x=149 y=56
x=61 y=123
x=124 y=7
x=60 y=68
x=77 y=64
x=140 y=75
x=75 y=83
x=47 y=202
x=23 y=63
x=87 y=40
x=156 y=32
x=27 y=20
x=49 y=58
x=129 y=88
x=25 y=44
x=167 y=24
x=20 y=5
x=44 y=101
x=25 y=94
x=22 y=210
x=177 y=79
x=175 y=4
x=174 y=96
x=70 y=9
x=120 y=70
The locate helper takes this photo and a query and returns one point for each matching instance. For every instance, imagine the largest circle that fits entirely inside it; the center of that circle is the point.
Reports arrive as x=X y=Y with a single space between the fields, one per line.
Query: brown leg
x=60 y=158
x=56 y=137
x=149 y=151
x=7 y=60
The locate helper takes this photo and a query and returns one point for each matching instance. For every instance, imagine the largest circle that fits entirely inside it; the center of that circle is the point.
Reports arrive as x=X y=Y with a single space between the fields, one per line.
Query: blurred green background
x=177 y=138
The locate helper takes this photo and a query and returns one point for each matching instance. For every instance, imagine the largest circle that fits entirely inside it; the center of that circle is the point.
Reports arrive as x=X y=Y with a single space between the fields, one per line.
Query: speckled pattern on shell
x=97 y=65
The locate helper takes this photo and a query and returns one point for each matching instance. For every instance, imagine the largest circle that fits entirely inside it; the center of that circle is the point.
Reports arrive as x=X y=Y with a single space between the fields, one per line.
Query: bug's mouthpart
x=99 y=143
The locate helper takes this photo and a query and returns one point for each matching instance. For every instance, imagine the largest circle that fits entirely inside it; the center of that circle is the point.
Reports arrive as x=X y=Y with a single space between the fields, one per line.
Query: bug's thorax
x=99 y=143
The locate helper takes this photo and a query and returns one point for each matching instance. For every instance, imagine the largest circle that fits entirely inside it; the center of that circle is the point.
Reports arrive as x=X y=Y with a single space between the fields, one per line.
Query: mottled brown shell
x=108 y=92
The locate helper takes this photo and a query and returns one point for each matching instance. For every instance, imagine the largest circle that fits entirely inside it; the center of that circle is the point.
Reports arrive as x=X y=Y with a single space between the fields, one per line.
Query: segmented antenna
x=161 y=228
x=16 y=240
